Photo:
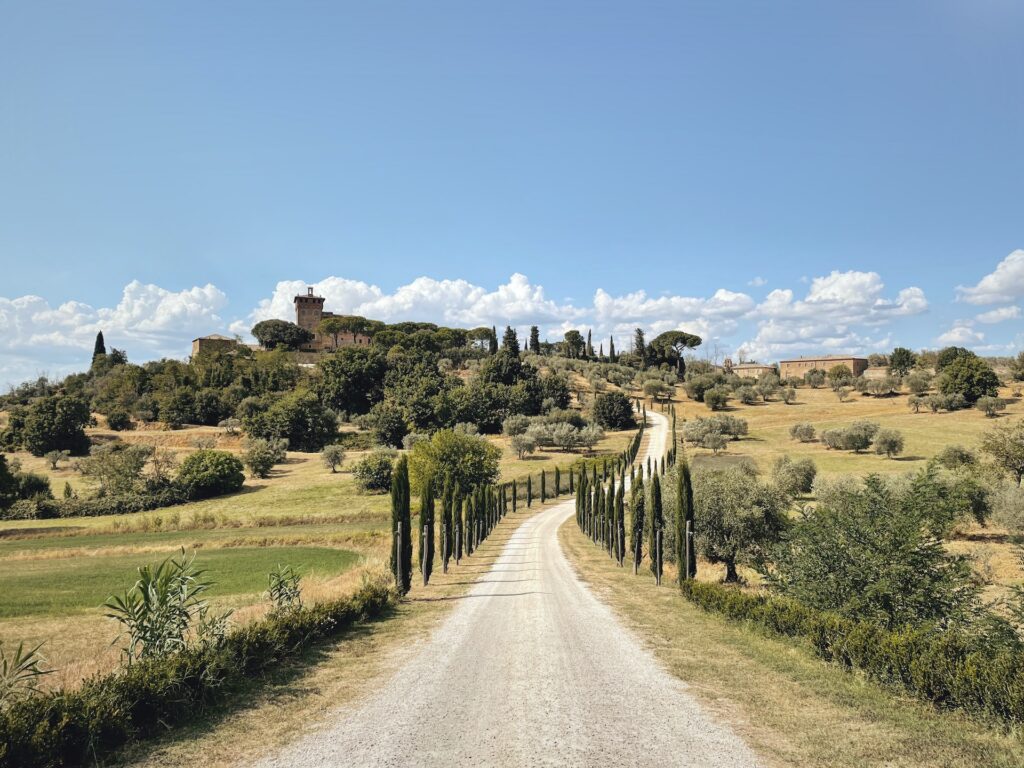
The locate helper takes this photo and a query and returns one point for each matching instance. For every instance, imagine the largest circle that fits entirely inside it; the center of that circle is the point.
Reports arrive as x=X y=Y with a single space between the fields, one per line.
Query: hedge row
x=946 y=668
x=49 y=509
x=80 y=727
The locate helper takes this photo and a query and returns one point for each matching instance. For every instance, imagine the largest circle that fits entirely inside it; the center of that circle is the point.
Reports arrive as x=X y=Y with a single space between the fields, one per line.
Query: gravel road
x=530 y=669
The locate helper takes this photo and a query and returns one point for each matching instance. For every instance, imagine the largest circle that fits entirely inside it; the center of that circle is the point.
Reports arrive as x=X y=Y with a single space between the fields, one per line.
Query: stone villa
x=797 y=367
x=309 y=311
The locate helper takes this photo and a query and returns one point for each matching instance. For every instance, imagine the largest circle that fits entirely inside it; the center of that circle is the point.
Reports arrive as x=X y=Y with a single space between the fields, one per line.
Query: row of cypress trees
x=600 y=512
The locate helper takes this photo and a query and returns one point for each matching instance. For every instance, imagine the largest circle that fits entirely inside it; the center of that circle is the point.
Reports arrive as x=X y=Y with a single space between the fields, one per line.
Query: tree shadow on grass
x=286 y=682
x=909 y=458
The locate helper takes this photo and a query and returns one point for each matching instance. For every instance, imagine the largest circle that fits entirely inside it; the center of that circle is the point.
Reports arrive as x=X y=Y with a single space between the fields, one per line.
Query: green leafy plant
x=285 y=590
x=20 y=673
x=156 y=612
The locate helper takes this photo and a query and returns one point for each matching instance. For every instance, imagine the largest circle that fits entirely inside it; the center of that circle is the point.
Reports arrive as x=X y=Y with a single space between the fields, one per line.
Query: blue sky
x=168 y=169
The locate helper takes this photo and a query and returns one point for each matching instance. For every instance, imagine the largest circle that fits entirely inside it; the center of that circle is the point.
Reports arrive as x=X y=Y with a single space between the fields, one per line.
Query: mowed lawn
x=68 y=585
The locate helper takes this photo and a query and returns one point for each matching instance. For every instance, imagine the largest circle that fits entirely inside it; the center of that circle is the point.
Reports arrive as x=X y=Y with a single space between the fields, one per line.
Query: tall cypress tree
x=571 y=489
x=529 y=491
x=685 y=560
x=427 y=531
x=609 y=505
x=657 y=530
x=558 y=483
x=543 y=487
x=510 y=341
x=535 y=339
x=401 y=539
x=467 y=524
x=620 y=520
x=515 y=496
x=99 y=348
x=457 y=522
x=637 y=505
x=493 y=341
x=611 y=350
x=590 y=345
x=446 y=525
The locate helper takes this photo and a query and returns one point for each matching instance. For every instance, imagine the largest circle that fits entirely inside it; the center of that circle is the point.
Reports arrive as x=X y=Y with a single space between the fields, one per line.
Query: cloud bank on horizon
x=847 y=311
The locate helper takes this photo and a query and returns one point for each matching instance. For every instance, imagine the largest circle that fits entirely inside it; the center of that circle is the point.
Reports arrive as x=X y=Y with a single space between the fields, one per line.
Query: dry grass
x=300 y=699
x=793 y=709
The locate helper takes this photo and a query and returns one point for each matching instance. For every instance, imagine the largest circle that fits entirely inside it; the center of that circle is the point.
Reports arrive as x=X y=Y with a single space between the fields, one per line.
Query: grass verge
x=792 y=708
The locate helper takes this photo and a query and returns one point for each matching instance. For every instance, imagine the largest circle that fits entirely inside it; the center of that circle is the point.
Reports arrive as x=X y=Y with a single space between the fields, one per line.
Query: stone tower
x=309 y=310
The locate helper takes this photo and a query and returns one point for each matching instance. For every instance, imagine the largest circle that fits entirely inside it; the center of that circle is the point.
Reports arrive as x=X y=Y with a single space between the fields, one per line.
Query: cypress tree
x=611 y=350
x=571 y=489
x=637 y=503
x=620 y=522
x=657 y=530
x=515 y=496
x=493 y=341
x=534 y=339
x=99 y=348
x=457 y=522
x=529 y=491
x=543 y=487
x=401 y=539
x=467 y=524
x=685 y=557
x=427 y=531
x=510 y=341
x=590 y=345
x=446 y=525
x=611 y=524
x=558 y=483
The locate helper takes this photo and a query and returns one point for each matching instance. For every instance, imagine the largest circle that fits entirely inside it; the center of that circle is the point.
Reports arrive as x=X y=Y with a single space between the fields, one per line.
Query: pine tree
x=99 y=348
x=510 y=341
x=637 y=505
x=427 y=531
x=446 y=525
x=535 y=339
x=401 y=540
x=657 y=530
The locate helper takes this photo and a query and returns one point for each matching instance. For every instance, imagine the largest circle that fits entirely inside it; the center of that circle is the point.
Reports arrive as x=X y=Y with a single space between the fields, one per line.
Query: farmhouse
x=213 y=343
x=797 y=367
x=749 y=370
x=309 y=311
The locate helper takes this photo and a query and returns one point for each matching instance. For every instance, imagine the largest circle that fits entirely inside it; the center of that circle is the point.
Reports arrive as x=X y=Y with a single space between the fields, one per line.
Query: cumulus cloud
x=1001 y=286
x=961 y=334
x=841 y=312
x=149 y=321
x=999 y=315
x=757 y=282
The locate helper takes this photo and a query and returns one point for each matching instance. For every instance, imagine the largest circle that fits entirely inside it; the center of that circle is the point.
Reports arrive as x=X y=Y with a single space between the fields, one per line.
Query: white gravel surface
x=530 y=669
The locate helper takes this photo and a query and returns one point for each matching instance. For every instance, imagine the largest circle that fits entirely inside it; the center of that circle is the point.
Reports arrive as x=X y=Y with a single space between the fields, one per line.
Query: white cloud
x=149 y=321
x=757 y=282
x=1003 y=285
x=999 y=315
x=961 y=333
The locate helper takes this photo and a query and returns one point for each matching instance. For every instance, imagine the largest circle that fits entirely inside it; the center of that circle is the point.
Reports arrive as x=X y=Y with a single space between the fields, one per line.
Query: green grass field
x=61 y=586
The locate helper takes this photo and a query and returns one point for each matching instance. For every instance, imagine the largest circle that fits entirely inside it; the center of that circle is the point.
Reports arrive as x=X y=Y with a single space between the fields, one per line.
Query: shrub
x=515 y=425
x=119 y=420
x=889 y=442
x=802 y=431
x=260 y=456
x=90 y=722
x=451 y=457
x=208 y=473
x=990 y=406
x=945 y=668
x=956 y=456
x=613 y=410
x=716 y=398
x=794 y=477
x=815 y=378
x=373 y=471
x=332 y=456
x=523 y=444
x=970 y=377
x=918 y=382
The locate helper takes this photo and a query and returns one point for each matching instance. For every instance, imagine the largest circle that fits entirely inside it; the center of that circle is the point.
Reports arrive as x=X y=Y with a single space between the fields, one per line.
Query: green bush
x=946 y=668
x=209 y=473
x=373 y=471
x=85 y=725
x=613 y=410
x=119 y=420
